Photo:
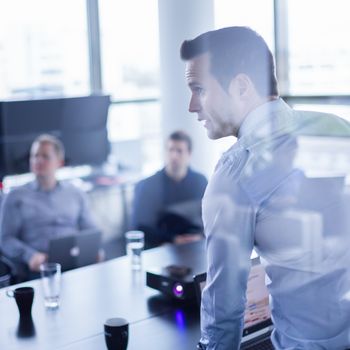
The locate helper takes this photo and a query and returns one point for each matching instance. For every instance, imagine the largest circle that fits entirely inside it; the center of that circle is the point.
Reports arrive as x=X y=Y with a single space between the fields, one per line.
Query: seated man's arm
x=187 y=238
x=36 y=260
x=86 y=219
x=183 y=221
x=141 y=207
x=153 y=236
x=144 y=214
x=11 y=244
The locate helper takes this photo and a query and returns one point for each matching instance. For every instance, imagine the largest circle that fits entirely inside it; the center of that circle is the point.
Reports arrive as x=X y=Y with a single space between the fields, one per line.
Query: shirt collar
x=260 y=115
x=265 y=120
x=171 y=179
x=36 y=186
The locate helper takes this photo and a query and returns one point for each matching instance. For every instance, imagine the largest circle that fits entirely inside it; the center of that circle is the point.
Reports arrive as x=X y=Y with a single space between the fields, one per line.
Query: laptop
x=257 y=318
x=75 y=250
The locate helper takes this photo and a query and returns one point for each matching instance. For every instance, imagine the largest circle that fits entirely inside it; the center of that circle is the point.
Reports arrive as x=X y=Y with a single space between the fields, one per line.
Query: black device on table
x=173 y=280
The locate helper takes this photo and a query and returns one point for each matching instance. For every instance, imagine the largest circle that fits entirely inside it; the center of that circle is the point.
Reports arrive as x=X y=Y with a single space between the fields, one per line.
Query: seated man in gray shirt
x=42 y=209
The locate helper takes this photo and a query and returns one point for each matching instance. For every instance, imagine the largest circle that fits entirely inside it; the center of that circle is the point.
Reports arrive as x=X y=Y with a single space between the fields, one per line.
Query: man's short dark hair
x=180 y=135
x=54 y=141
x=232 y=51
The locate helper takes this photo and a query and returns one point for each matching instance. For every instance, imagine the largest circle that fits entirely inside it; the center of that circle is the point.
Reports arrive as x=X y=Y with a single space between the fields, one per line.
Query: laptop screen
x=257 y=313
x=75 y=250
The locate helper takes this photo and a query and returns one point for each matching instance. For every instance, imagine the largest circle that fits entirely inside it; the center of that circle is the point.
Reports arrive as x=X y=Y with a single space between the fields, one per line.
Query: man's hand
x=101 y=255
x=187 y=238
x=36 y=260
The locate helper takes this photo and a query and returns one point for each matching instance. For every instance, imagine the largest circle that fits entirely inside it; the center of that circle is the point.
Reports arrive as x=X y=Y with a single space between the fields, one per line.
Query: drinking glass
x=134 y=245
x=51 y=282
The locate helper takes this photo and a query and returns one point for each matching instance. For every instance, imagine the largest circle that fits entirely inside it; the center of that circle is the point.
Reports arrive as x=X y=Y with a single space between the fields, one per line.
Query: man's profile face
x=178 y=155
x=213 y=105
x=44 y=160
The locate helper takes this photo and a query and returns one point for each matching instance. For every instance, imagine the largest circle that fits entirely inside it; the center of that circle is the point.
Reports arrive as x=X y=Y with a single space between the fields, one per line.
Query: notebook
x=257 y=319
x=75 y=250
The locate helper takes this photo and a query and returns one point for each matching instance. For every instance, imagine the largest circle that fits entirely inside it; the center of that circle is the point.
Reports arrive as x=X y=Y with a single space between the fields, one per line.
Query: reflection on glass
x=342 y=111
x=321 y=154
x=180 y=320
x=319 y=52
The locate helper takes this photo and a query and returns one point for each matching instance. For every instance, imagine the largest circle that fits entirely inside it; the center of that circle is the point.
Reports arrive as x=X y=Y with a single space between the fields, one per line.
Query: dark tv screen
x=79 y=122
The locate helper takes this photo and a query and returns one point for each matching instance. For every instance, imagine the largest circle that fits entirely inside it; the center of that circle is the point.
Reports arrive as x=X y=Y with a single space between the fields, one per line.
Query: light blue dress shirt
x=281 y=189
x=31 y=216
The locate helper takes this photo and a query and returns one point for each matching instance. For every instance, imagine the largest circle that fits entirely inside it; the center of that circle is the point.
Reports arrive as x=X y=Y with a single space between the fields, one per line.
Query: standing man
x=167 y=204
x=262 y=196
x=43 y=209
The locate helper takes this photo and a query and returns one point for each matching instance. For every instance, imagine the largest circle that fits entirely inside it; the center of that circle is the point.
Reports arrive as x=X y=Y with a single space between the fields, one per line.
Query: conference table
x=94 y=293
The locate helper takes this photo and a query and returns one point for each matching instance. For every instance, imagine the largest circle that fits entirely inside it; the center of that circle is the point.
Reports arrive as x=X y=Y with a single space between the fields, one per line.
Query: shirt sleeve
x=146 y=210
x=10 y=225
x=203 y=184
x=137 y=205
x=229 y=226
x=86 y=219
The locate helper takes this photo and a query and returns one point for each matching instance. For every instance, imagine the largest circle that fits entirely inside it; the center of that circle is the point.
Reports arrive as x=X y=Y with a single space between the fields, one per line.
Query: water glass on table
x=51 y=283
x=135 y=242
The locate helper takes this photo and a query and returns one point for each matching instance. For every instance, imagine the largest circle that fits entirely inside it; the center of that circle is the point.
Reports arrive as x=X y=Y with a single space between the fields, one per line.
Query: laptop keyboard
x=261 y=344
x=264 y=345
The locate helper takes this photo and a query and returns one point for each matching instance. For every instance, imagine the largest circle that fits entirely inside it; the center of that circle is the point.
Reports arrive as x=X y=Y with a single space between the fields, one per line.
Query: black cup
x=24 y=299
x=25 y=328
x=116 y=333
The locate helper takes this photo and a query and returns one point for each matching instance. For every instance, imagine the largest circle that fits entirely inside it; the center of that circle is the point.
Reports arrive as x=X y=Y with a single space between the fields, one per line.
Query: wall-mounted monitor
x=79 y=122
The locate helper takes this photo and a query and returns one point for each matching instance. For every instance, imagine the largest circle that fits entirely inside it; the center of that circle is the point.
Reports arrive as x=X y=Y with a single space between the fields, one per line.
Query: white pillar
x=181 y=20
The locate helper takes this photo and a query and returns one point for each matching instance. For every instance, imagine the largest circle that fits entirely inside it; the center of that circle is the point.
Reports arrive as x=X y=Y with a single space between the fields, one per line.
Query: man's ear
x=240 y=85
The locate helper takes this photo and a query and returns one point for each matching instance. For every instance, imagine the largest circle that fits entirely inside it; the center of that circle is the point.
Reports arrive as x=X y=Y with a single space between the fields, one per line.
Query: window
x=130 y=73
x=318 y=47
x=133 y=120
x=43 y=48
x=257 y=14
x=135 y=134
x=129 y=48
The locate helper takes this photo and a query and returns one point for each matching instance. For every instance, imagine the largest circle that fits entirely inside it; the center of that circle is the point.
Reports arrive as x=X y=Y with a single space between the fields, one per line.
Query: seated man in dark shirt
x=167 y=204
